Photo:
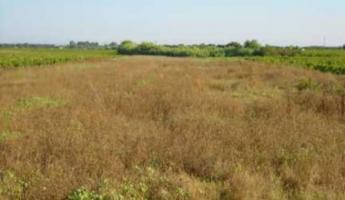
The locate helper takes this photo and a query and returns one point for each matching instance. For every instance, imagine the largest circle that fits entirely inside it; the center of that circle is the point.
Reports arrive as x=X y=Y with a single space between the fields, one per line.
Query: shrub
x=127 y=47
x=148 y=48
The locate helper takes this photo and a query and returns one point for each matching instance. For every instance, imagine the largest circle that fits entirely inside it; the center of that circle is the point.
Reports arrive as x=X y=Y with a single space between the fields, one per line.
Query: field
x=331 y=60
x=21 y=57
x=146 y=127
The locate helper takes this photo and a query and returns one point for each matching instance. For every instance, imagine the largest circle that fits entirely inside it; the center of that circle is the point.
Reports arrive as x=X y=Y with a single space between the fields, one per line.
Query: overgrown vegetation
x=142 y=128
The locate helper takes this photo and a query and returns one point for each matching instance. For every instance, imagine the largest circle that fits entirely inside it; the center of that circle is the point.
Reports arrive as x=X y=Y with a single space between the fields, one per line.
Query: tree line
x=72 y=44
x=26 y=45
x=91 y=45
x=127 y=47
x=248 y=48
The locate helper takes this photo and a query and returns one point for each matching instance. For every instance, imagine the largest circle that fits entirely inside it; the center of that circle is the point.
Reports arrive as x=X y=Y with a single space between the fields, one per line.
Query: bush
x=127 y=47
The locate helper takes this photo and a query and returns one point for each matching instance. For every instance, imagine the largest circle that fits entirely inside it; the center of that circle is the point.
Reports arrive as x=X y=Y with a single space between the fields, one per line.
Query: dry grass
x=171 y=128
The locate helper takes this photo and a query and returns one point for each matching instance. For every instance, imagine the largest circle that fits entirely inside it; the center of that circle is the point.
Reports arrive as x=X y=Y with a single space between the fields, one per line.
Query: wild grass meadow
x=143 y=127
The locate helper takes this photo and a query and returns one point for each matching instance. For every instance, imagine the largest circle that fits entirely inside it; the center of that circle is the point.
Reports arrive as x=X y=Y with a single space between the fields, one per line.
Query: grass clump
x=84 y=194
x=8 y=135
x=149 y=183
x=307 y=84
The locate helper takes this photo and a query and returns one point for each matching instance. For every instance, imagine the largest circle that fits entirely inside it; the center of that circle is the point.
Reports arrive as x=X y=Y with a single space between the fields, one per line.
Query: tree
x=344 y=46
x=87 y=44
x=72 y=44
x=252 y=44
x=234 y=45
x=113 y=45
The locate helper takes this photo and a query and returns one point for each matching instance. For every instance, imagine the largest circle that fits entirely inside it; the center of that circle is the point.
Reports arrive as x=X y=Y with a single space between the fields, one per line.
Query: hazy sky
x=280 y=22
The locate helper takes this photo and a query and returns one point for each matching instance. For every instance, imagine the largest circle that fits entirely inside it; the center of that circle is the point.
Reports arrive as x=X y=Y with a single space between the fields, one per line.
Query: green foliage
x=132 y=191
x=84 y=194
x=250 y=48
x=127 y=47
x=147 y=184
x=148 y=48
x=22 y=57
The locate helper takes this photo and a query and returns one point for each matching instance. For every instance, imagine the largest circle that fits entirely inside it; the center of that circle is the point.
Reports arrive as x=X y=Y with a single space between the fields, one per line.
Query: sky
x=276 y=22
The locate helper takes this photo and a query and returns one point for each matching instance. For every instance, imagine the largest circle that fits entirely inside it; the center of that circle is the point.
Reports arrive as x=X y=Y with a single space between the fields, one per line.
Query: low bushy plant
x=84 y=194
